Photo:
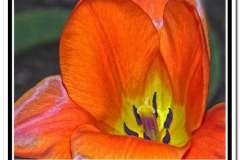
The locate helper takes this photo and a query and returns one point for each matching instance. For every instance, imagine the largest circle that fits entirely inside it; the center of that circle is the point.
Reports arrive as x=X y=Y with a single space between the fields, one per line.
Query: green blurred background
x=38 y=25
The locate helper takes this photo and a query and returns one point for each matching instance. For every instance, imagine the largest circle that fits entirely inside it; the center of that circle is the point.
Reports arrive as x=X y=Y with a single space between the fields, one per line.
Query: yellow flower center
x=146 y=115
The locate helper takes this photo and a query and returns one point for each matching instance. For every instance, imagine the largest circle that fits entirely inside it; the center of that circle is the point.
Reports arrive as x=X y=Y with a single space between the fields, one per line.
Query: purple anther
x=168 y=119
x=128 y=131
x=138 y=118
x=154 y=104
x=167 y=138
x=145 y=136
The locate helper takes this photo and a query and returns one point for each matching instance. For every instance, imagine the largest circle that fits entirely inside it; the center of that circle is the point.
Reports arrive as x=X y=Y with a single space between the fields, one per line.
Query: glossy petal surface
x=209 y=141
x=200 y=10
x=184 y=50
x=88 y=142
x=105 y=55
x=44 y=120
x=154 y=8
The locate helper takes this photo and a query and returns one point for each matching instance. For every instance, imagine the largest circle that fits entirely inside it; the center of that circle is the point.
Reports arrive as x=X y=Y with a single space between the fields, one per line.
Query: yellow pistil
x=149 y=123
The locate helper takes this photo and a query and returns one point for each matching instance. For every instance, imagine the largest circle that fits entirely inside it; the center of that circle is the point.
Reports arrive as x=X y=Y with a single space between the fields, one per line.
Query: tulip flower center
x=146 y=116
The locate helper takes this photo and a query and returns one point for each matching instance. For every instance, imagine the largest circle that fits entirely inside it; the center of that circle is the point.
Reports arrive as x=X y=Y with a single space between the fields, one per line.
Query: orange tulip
x=134 y=84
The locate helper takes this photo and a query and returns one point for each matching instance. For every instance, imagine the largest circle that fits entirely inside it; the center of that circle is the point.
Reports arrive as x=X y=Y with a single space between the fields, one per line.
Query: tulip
x=133 y=84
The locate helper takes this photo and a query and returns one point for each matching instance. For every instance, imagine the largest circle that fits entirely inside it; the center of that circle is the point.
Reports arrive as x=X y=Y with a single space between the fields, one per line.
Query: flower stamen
x=128 y=131
x=150 y=126
x=146 y=115
x=168 y=119
x=167 y=138
x=138 y=118
x=154 y=103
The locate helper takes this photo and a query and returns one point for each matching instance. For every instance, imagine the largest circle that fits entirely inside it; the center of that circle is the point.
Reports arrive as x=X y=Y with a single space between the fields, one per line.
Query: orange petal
x=44 y=119
x=200 y=10
x=154 y=8
x=209 y=141
x=88 y=142
x=106 y=50
x=184 y=49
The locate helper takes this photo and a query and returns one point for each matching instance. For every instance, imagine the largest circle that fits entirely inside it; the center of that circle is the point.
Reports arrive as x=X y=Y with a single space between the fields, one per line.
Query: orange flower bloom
x=134 y=84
